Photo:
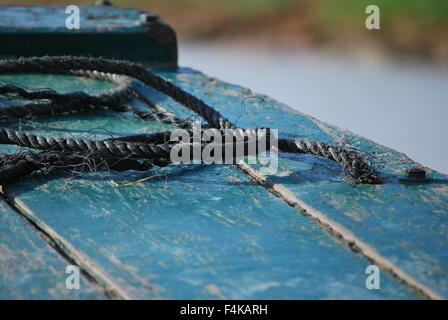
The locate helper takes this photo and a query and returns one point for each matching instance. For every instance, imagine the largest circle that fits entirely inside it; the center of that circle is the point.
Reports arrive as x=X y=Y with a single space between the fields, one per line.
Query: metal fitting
x=415 y=175
x=103 y=3
x=148 y=18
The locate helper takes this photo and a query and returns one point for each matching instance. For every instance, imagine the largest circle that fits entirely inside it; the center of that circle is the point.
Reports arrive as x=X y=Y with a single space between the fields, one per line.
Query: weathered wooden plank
x=105 y=31
x=405 y=222
x=194 y=231
x=194 y=240
x=30 y=268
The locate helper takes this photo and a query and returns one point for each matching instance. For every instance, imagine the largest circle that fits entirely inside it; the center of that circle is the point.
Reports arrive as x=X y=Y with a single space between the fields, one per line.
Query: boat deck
x=219 y=231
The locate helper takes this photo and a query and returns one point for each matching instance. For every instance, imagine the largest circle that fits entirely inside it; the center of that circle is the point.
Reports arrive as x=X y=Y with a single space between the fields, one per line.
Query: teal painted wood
x=105 y=31
x=30 y=268
x=196 y=232
x=406 y=223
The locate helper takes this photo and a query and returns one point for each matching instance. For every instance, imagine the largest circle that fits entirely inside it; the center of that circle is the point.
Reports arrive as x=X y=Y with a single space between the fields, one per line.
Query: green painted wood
x=30 y=268
x=195 y=232
x=105 y=31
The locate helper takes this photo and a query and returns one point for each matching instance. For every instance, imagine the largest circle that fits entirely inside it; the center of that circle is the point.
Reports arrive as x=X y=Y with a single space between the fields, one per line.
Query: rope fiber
x=133 y=152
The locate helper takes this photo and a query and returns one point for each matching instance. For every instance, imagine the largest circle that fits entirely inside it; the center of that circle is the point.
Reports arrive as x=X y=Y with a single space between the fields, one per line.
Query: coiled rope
x=134 y=152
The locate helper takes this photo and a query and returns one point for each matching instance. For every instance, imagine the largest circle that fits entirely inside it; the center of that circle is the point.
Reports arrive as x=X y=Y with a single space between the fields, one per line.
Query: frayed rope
x=135 y=152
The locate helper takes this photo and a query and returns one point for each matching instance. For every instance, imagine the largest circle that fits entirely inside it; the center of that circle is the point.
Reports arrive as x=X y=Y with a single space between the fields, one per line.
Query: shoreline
x=295 y=30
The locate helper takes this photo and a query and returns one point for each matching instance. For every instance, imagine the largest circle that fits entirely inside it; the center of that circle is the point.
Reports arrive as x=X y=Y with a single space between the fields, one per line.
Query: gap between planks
x=90 y=270
x=339 y=233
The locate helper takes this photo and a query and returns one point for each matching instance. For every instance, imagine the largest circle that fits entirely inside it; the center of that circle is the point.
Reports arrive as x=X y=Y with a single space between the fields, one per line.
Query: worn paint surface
x=53 y=18
x=195 y=232
x=30 y=268
x=105 y=31
x=405 y=222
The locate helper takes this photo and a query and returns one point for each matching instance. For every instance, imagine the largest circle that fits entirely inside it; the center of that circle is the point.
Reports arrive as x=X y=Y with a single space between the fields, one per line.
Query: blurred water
x=400 y=104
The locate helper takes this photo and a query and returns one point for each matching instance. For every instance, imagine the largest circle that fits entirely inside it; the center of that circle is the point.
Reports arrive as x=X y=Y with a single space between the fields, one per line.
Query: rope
x=134 y=152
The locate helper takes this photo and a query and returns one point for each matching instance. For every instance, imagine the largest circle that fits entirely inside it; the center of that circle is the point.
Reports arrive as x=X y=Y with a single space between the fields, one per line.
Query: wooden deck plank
x=212 y=234
x=194 y=232
x=105 y=31
x=406 y=223
x=30 y=268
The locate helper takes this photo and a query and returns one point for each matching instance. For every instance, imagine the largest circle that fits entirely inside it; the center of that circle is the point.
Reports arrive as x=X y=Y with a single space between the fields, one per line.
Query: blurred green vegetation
x=428 y=12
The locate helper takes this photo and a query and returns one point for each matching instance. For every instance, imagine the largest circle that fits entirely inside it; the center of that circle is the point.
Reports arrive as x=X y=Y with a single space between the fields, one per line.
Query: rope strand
x=136 y=152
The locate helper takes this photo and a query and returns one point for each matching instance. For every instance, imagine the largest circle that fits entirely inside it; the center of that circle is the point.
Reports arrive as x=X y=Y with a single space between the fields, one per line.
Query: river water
x=400 y=104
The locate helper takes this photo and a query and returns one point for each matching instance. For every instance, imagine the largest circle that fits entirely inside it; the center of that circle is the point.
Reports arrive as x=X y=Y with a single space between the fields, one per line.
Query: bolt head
x=148 y=17
x=103 y=3
x=416 y=173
